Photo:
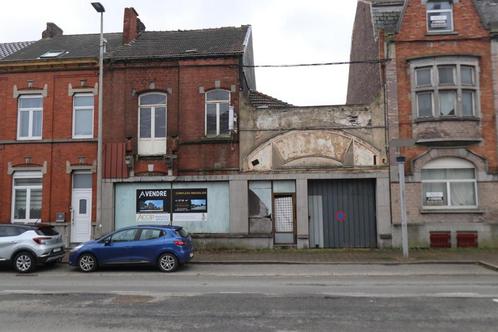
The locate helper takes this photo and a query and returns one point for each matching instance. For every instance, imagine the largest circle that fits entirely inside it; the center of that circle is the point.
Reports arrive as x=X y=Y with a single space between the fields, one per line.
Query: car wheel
x=87 y=263
x=24 y=262
x=167 y=262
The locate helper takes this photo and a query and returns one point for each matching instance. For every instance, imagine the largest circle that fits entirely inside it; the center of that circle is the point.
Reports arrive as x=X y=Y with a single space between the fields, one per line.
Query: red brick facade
x=470 y=38
x=183 y=82
x=55 y=150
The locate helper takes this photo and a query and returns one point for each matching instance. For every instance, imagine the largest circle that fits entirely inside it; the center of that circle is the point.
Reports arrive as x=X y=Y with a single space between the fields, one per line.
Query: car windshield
x=48 y=231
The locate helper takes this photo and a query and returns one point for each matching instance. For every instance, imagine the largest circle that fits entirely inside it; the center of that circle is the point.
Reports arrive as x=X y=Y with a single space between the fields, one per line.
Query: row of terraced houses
x=188 y=140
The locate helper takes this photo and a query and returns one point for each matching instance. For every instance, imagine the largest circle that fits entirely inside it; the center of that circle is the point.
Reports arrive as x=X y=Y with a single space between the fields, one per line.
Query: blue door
x=150 y=243
x=118 y=249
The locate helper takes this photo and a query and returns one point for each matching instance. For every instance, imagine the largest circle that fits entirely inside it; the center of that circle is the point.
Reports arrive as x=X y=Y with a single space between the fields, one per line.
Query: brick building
x=440 y=91
x=48 y=140
x=171 y=145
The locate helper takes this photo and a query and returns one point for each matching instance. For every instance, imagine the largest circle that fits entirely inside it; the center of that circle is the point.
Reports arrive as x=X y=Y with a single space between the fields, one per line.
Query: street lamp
x=100 y=9
x=404 y=224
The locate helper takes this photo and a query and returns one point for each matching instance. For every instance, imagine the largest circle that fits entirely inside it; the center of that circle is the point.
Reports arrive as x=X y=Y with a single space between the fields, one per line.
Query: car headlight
x=78 y=247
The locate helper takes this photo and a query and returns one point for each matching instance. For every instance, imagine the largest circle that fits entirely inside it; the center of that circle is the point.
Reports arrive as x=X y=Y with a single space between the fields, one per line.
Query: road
x=251 y=297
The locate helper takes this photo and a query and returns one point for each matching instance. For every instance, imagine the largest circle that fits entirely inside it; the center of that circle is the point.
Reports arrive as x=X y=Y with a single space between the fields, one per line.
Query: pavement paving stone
x=355 y=256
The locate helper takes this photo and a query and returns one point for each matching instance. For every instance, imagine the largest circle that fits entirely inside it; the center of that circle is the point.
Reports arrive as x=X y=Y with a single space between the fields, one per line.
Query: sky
x=284 y=32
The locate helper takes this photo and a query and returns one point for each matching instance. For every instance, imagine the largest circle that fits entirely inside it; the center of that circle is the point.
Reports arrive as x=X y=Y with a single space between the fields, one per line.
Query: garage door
x=342 y=214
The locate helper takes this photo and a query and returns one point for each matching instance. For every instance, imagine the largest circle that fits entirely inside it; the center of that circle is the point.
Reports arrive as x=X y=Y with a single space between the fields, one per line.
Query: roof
x=386 y=13
x=74 y=46
x=260 y=100
x=7 y=49
x=186 y=43
x=488 y=10
x=149 y=44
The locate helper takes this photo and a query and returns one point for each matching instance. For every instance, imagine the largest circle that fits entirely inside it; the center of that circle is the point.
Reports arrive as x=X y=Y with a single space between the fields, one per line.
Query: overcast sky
x=284 y=32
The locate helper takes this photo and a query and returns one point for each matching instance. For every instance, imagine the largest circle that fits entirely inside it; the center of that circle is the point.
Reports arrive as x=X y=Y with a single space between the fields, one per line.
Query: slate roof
x=386 y=13
x=185 y=43
x=488 y=10
x=75 y=46
x=260 y=100
x=149 y=44
x=7 y=49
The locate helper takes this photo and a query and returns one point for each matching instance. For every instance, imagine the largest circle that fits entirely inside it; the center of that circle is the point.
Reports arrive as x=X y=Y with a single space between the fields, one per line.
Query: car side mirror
x=107 y=241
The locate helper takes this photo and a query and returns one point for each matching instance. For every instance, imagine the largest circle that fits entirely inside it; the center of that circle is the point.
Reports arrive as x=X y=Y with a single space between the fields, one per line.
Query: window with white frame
x=152 y=121
x=30 y=117
x=27 y=197
x=445 y=87
x=83 y=115
x=217 y=112
x=449 y=183
x=152 y=116
x=439 y=16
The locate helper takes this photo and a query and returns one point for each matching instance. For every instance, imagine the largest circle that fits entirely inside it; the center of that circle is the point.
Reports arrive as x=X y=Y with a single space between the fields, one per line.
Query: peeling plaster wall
x=311 y=137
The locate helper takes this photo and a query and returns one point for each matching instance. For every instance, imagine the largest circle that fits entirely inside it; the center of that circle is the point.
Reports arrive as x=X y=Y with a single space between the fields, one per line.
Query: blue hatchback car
x=165 y=246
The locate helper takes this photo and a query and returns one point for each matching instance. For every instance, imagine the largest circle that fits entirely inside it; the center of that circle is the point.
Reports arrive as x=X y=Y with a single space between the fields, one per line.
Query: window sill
x=447 y=118
x=451 y=211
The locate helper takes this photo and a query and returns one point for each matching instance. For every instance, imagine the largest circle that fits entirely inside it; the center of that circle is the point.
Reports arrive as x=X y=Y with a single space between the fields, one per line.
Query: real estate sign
x=153 y=206
x=190 y=204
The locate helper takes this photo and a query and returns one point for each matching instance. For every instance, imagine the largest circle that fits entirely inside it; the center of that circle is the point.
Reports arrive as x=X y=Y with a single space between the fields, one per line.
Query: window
x=82 y=181
x=151 y=234
x=27 y=197
x=217 y=112
x=52 y=54
x=6 y=231
x=30 y=117
x=439 y=16
x=152 y=124
x=83 y=115
x=445 y=87
x=449 y=183
x=152 y=116
x=125 y=235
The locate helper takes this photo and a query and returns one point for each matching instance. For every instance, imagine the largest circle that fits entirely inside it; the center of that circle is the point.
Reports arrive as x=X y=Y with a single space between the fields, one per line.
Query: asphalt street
x=248 y=297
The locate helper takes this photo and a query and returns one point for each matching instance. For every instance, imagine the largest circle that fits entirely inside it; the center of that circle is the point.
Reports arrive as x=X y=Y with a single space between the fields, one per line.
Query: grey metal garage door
x=342 y=213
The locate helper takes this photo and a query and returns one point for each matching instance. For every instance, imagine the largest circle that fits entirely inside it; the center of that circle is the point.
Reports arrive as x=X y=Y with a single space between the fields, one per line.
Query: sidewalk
x=487 y=257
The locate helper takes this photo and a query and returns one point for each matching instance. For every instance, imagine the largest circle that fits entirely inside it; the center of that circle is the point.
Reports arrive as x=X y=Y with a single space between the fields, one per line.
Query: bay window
x=445 y=87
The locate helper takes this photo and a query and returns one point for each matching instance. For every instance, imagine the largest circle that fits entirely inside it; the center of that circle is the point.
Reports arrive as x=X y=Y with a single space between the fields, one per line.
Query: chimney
x=132 y=26
x=51 y=31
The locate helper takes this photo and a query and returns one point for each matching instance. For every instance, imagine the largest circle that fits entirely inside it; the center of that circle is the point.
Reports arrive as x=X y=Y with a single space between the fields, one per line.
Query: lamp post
x=404 y=225
x=100 y=9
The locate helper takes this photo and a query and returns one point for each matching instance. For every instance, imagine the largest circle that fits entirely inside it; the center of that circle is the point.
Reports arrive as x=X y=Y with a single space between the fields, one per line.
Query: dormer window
x=439 y=16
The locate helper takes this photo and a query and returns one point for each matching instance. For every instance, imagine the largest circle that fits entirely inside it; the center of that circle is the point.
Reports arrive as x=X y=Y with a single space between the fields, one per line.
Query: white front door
x=81 y=226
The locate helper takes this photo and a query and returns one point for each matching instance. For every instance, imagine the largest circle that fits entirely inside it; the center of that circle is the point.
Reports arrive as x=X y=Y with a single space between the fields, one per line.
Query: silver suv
x=25 y=246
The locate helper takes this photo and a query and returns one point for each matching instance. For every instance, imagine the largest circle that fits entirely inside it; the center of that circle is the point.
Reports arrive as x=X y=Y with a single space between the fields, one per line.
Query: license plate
x=57 y=250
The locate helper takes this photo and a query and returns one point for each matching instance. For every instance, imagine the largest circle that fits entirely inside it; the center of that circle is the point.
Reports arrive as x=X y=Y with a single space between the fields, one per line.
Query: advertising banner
x=190 y=205
x=153 y=206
